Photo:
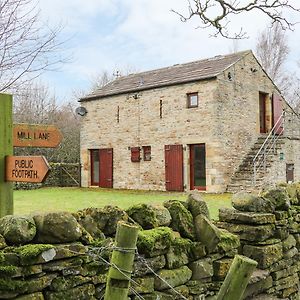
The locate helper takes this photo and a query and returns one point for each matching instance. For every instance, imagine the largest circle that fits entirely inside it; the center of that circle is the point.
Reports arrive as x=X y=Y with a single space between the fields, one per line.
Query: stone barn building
x=214 y=125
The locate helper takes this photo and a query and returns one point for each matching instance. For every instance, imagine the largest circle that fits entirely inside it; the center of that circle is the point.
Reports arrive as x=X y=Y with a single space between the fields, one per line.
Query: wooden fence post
x=6 y=148
x=118 y=279
x=237 y=278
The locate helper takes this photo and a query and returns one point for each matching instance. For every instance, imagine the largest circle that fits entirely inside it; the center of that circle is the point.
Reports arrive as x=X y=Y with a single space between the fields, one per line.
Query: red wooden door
x=106 y=168
x=277 y=107
x=174 y=167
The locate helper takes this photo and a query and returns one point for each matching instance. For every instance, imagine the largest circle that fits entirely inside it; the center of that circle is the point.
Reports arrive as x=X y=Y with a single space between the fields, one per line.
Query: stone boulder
x=182 y=219
x=57 y=227
x=214 y=238
x=101 y=220
x=155 y=241
x=197 y=205
x=278 y=197
x=17 y=229
x=243 y=201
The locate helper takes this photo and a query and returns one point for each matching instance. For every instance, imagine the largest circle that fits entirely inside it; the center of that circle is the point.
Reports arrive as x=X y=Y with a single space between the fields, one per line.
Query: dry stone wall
x=181 y=253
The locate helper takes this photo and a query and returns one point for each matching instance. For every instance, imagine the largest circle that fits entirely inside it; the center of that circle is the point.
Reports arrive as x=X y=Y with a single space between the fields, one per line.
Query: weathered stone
x=17 y=229
x=39 y=283
x=155 y=263
x=178 y=254
x=59 y=265
x=258 y=287
x=289 y=270
x=278 y=197
x=286 y=282
x=281 y=233
x=182 y=219
x=106 y=219
x=144 y=285
x=288 y=243
x=264 y=255
x=214 y=238
x=99 y=278
x=221 y=268
x=201 y=268
x=197 y=205
x=155 y=241
x=144 y=215
x=197 y=251
x=247 y=202
x=162 y=215
x=290 y=253
x=174 y=278
x=289 y=291
x=297 y=238
x=197 y=287
x=2 y=242
x=249 y=232
x=91 y=226
x=294 y=227
x=253 y=218
x=67 y=282
x=57 y=227
x=14 y=271
x=280 y=215
x=179 y=292
x=34 y=296
x=83 y=292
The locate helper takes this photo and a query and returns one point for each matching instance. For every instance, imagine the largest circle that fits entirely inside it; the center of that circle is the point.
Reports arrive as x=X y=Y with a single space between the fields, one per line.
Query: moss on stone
x=32 y=250
x=156 y=239
x=181 y=245
x=8 y=270
x=144 y=215
x=7 y=284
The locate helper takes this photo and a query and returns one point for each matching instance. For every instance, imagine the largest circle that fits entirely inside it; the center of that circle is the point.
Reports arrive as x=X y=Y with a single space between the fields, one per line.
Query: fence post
x=237 y=278
x=6 y=148
x=118 y=279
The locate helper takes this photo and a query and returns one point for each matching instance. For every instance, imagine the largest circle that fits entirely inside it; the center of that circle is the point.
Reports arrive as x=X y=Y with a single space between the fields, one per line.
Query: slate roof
x=177 y=74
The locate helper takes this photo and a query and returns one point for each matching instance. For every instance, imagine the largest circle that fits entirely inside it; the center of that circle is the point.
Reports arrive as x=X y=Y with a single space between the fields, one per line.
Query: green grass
x=73 y=199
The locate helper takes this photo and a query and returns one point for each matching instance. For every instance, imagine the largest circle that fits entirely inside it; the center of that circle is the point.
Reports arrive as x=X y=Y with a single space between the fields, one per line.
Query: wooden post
x=118 y=281
x=237 y=278
x=6 y=148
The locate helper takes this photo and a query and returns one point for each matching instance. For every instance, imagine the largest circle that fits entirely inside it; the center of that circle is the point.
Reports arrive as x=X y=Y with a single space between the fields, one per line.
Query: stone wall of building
x=227 y=121
x=181 y=253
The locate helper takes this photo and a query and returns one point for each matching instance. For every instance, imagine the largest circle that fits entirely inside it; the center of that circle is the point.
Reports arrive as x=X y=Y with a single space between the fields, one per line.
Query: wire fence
x=99 y=254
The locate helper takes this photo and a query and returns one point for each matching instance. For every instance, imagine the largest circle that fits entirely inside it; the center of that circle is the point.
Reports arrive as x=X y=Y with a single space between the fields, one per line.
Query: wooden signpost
x=26 y=169
x=36 y=135
x=21 y=168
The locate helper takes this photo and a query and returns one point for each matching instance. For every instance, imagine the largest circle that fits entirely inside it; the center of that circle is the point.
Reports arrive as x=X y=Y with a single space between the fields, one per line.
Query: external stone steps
x=242 y=180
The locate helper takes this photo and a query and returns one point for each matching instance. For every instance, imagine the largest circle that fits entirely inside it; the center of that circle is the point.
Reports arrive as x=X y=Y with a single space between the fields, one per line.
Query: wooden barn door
x=106 y=168
x=174 y=167
x=277 y=107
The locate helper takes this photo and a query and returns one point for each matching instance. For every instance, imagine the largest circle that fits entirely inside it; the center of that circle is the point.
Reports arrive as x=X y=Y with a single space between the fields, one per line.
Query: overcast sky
x=137 y=35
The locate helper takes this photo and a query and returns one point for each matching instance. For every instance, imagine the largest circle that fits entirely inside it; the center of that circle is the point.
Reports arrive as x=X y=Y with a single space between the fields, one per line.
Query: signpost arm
x=6 y=148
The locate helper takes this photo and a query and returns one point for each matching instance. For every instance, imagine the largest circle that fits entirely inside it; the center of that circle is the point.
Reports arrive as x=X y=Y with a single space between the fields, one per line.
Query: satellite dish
x=81 y=111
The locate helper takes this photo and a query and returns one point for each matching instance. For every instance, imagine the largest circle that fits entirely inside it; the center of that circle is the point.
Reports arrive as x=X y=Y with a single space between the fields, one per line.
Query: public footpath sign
x=26 y=169
x=36 y=135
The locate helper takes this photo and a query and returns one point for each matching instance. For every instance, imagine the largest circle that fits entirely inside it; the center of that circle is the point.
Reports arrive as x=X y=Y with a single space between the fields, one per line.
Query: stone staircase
x=242 y=179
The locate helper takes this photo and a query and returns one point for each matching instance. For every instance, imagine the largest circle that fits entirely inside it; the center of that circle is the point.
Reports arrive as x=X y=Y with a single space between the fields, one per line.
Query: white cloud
x=143 y=34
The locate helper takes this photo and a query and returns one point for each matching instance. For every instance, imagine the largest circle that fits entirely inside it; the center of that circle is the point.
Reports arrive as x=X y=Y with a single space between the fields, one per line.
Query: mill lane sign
x=26 y=168
x=36 y=135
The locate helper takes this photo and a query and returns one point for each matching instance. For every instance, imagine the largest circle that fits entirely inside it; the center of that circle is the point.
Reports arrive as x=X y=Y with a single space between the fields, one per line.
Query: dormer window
x=192 y=100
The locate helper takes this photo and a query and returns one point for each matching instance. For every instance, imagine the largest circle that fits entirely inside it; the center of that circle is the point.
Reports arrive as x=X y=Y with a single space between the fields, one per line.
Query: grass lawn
x=73 y=199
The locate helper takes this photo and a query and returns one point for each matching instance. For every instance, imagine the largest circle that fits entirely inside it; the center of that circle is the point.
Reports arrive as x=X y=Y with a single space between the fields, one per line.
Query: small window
x=135 y=154
x=192 y=100
x=147 y=153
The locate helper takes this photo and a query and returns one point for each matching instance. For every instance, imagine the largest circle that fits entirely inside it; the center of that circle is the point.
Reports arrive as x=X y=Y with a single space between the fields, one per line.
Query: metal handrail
x=269 y=144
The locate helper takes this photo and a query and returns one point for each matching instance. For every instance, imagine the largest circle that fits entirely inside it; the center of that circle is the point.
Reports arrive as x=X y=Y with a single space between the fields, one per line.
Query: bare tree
x=27 y=46
x=218 y=13
x=35 y=104
x=272 y=52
